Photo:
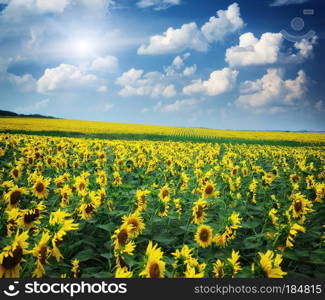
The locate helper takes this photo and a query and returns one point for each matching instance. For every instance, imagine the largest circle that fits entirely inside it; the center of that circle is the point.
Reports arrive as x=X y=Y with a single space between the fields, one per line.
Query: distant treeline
x=5 y=113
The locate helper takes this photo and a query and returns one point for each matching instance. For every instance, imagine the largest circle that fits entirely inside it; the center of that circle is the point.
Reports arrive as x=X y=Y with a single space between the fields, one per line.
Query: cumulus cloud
x=272 y=92
x=267 y=50
x=220 y=81
x=254 y=51
x=17 y=9
x=158 y=4
x=188 y=71
x=35 y=107
x=227 y=21
x=189 y=36
x=178 y=105
x=107 y=64
x=287 y=2
x=153 y=84
x=25 y=82
x=20 y=8
x=66 y=77
x=176 y=40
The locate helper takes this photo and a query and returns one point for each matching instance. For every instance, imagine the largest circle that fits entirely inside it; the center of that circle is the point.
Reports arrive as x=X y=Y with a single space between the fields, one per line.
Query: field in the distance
x=76 y=128
x=90 y=207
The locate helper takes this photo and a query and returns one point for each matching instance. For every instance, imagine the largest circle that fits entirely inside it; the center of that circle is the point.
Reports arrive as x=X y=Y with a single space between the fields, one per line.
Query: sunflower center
x=204 y=235
x=154 y=270
x=31 y=216
x=89 y=208
x=10 y=262
x=40 y=187
x=298 y=206
x=165 y=193
x=199 y=211
x=15 y=173
x=42 y=254
x=81 y=186
x=209 y=189
x=122 y=237
x=14 y=197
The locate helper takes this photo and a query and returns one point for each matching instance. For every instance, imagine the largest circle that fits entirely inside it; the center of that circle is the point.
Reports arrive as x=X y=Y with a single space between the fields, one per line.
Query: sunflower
x=186 y=265
x=12 y=219
x=155 y=266
x=40 y=188
x=234 y=262
x=163 y=208
x=31 y=217
x=178 y=206
x=60 y=224
x=320 y=192
x=293 y=231
x=75 y=268
x=273 y=216
x=164 y=193
x=40 y=252
x=102 y=178
x=13 y=196
x=117 y=178
x=81 y=185
x=123 y=273
x=136 y=221
x=203 y=236
x=208 y=190
x=271 y=264
x=218 y=269
x=89 y=205
x=12 y=255
x=140 y=196
x=300 y=206
x=122 y=236
x=15 y=173
x=198 y=213
x=65 y=192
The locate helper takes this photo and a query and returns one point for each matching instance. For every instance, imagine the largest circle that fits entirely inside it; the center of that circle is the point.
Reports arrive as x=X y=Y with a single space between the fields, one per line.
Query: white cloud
x=287 y=2
x=272 y=93
x=33 y=108
x=178 y=105
x=152 y=84
x=176 y=40
x=253 y=51
x=220 y=81
x=19 y=8
x=178 y=62
x=227 y=21
x=107 y=64
x=158 y=4
x=267 y=50
x=65 y=77
x=26 y=82
x=320 y=106
x=188 y=71
x=189 y=36
x=102 y=89
x=169 y=91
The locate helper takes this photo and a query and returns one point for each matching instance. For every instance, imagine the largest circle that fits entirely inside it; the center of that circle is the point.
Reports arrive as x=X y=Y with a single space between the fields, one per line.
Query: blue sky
x=244 y=64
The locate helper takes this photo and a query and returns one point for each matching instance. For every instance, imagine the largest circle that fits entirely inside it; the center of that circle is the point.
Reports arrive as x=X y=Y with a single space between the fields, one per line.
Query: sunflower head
x=203 y=236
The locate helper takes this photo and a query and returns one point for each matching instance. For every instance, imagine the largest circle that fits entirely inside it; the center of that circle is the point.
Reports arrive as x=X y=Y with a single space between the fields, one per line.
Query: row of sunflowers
x=94 y=208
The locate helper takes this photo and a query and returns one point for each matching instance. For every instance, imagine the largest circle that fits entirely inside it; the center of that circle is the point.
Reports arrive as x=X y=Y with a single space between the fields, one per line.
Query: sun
x=83 y=47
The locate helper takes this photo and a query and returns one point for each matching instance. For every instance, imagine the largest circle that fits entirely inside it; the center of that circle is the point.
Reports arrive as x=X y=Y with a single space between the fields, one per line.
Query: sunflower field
x=74 y=207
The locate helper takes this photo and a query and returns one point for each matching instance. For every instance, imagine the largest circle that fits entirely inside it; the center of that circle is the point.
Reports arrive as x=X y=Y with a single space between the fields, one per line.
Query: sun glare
x=83 y=47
